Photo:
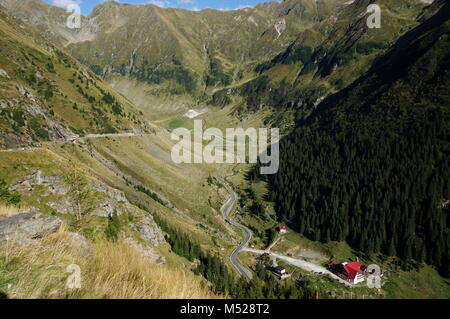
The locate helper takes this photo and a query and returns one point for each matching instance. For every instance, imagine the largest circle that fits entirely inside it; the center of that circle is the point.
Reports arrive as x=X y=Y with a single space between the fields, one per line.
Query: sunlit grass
x=110 y=270
x=11 y=210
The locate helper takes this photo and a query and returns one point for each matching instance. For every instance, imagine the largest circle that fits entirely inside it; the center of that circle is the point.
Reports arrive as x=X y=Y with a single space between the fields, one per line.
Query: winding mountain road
x=21 y=149
x=226 y=210
x=93 y=136
x=72 y=139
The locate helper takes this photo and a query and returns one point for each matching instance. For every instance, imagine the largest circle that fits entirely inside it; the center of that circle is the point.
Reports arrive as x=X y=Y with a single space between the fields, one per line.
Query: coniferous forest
x=371 y=166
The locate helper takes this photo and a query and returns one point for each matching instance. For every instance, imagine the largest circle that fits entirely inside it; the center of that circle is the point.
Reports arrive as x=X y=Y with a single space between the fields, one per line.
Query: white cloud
x=66 y=3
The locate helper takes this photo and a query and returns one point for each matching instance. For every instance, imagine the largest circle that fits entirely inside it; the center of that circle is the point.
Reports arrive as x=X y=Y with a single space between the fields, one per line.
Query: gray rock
x=59 y=132
x=146 y=252
x=281 y=26
x=150 y=234
x=26 y=228
x=64 y=206
x=113 y=193
x=147 y=229
x=33 y=108
x=80 y=242
x=54 y=183
x=106 y=207
x=3 y=105
x=4 y=74
x=25 y=92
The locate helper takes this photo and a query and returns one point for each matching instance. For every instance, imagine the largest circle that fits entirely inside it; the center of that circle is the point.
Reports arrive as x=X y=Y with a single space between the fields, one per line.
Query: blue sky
x=88 y=5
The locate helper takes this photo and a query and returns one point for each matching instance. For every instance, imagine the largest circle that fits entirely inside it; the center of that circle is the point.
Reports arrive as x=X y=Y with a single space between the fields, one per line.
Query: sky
x=88 y=5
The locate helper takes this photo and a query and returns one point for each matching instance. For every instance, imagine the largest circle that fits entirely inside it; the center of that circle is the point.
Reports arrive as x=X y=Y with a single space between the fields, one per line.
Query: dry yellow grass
x=10 y=210
x=118 y=271
x=111 y=270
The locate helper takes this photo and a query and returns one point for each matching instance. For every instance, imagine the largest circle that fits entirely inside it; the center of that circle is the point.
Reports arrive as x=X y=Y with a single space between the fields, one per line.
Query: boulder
x=4 y=74
x=25 y=228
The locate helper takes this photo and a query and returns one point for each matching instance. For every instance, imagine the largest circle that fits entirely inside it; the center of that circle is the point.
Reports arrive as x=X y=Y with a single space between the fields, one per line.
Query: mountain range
x=86 y=117
x=302 y=47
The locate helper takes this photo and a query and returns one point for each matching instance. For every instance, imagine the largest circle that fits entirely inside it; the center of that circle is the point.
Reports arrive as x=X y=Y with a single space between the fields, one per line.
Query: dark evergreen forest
x=371 y=165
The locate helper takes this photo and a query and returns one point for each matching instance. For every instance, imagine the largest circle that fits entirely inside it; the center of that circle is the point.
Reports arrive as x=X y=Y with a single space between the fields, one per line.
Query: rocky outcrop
x=54 y=183
x=25 y=229
x=56 y=196
x=146 y=252
x=148 y=230
x=111 y=192
x=26 y=92
x=150 y=234
x=63 y=206
x=114 y=201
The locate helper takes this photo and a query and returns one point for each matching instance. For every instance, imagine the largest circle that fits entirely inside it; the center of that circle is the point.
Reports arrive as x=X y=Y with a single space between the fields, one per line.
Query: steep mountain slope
x=45 y=94
x=328 y=57
x=148 y=31
x=178 y=51
x=287 y=56
x=372 y=165
x=113 y=239
x=93 y=184
x=50 y=20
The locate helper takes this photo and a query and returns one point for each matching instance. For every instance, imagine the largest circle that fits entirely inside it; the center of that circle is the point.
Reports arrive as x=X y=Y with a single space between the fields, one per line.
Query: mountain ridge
x=45 y=94
x=372 y=162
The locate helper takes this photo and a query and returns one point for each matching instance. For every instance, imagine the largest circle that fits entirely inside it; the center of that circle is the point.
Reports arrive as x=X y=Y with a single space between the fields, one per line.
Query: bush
x=18 y=117
x=113 y=228
x=6 y=195
x=38 y=130
x=220 y=98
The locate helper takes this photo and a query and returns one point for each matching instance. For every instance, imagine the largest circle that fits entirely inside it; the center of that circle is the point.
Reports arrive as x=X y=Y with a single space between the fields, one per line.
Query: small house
x=283 y=230
x=350 y=272
x=281 y=272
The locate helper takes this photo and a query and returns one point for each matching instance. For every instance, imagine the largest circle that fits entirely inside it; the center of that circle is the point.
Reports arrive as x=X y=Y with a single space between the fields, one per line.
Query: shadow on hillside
x=3 y=295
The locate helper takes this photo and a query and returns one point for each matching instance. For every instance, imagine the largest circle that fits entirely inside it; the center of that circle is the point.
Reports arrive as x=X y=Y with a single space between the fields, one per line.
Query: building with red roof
x=352 y=272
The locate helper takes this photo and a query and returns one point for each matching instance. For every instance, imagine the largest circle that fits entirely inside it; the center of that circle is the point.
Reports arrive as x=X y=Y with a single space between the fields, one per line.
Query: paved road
x=74 y=139
x=20 y=149
x=305 y=265
x=91 y=136
x=226 y=210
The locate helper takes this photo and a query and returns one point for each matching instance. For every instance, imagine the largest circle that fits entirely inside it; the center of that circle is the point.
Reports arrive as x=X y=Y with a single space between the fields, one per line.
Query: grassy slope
x=341 y=49
x=55 y=161
x=228 y=34
x=182 y=187
x=347 y=34
x=58 y=94
x=115 y=270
